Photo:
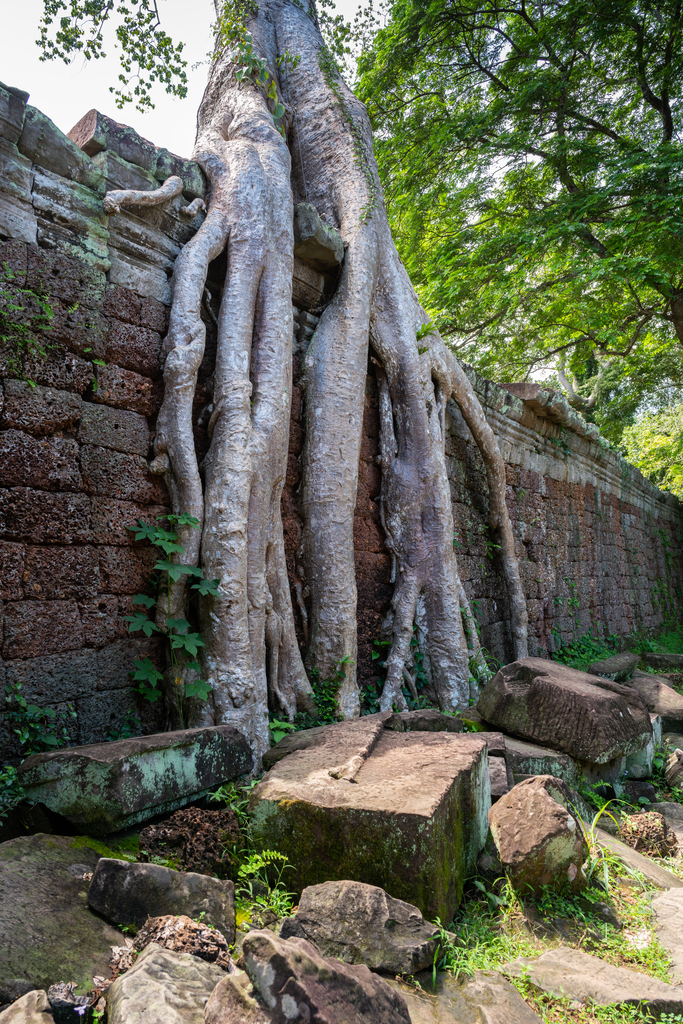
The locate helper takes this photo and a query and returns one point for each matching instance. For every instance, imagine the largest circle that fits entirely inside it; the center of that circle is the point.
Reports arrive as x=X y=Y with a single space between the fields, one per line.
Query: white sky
x=66 y=93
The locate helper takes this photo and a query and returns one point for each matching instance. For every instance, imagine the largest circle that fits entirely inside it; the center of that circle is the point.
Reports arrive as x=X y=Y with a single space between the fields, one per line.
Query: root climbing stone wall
x=599 y=547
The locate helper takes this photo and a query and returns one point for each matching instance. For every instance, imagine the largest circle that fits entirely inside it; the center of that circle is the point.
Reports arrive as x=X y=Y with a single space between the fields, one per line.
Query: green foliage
x=278 y=730
x=531 y=160
x=37 y=728
x=582 y=652
x=130 y=726
x=325 y=693
x=232 y=32
x=11 y=791
x=24 y=314
x=260 y=883
x=184 y=643
x=71 y=28
x=237 y=798
x=654 y=443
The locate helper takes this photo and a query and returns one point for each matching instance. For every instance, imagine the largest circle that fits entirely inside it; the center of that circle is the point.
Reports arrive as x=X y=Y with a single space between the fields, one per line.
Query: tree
x=534 y=170
x=276 y=125
x=654 y=443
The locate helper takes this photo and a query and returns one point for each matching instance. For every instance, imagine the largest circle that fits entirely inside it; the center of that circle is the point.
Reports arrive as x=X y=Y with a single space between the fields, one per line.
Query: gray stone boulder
x=33 y=1008
x=361 y=924
x=485 y=998
x=47 y=931
x=526 y=759
x=105 y=787
x=163 y=988
x=570 y=974
x=590 y=718
x=619 y=667
x=538 y=835
x=660 y=699
x=424 y=720
x=405 y=811
x=128 y=894
x=663 y=662
x=288 y=980
x=316 y=243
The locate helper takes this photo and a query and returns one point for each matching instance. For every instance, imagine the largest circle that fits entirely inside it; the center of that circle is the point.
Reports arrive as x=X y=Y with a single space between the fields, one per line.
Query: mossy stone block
x=403 y=811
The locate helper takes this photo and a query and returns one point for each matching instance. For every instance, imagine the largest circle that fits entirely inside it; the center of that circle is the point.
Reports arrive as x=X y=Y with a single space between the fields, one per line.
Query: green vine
x=330 y=72
x=232 y=31
x=183 y=643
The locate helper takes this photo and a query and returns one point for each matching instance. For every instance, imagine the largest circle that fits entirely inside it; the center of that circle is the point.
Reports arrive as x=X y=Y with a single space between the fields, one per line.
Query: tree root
x=251 y=656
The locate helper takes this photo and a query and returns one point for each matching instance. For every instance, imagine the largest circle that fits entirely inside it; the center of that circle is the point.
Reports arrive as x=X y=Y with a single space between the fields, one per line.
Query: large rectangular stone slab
x=406 y=811
x=660 y=698
x=105 y=787
x=590 y=718
x=526 y=759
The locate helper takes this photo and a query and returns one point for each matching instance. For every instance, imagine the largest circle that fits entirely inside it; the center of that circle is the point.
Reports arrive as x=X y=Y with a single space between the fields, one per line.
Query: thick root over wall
x=251 y=658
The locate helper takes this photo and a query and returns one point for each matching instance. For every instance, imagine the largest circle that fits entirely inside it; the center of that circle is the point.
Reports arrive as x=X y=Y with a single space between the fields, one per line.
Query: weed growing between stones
x=496 y=924
x=183 y=643
x=260 y=888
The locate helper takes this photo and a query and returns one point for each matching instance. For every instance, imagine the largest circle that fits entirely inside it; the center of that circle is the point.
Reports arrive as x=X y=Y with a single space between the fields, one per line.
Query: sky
x=66 y=92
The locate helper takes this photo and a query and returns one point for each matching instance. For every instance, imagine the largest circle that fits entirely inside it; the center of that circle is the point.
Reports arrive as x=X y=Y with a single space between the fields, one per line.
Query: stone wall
x=599 y=546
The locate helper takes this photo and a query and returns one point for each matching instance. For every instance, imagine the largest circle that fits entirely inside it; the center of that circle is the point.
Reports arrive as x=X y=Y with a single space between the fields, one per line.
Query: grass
x=496 y=925
x=582 y=652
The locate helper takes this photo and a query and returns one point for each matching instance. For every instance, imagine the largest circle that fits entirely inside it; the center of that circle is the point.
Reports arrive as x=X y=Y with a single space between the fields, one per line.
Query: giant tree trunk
x=255 y=176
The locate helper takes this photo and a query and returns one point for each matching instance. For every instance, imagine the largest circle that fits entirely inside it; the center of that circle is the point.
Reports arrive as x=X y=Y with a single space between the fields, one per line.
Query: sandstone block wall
x=600 y=547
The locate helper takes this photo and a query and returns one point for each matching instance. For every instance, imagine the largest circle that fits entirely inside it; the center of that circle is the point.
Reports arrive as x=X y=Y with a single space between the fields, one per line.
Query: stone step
x=566 y=973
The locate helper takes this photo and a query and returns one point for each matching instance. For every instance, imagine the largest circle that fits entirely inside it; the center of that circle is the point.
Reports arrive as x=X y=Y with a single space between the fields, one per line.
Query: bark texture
x=251 y=657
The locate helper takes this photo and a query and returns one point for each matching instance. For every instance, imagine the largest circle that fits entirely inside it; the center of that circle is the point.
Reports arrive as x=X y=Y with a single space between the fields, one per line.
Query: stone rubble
x=539 y=836
x=362 y=924
x=130 y=893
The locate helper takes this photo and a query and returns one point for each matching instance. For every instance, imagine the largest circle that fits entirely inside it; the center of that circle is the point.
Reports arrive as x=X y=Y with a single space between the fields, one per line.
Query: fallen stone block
x=619 y=667
x=362 y=924
x=500 y=781
x=570 y=974
x=33 y=1008
x=639 y=764
x=660 y=699
x=674 y=768
x=128 y=894
x=527 y=759
x=424 y=720
x=402 y=811
x=590 y=718
x=486 y=997
x=163 y=988
x=288 y=980
x=105 y=787
x=538 y=835
x=664 y=662
x=47 y=932
x=668 y=911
